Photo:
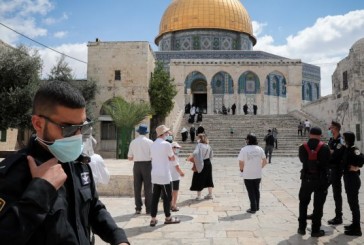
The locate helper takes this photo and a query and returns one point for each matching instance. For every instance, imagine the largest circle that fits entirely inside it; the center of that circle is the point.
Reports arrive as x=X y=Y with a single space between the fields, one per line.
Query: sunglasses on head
x=70 y=130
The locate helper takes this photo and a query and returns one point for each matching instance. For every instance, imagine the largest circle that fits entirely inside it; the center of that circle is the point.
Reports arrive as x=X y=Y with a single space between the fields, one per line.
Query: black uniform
x=352 y=182
x=32 y=211
x=336 y=168
x=313 y=182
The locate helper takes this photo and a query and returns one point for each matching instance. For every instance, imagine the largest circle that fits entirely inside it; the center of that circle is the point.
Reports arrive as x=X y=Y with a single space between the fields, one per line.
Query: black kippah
x=316 y=131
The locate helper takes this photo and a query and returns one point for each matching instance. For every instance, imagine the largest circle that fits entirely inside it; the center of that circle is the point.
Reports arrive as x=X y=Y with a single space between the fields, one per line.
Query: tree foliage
x=19 y=79
x=126 y=115
x=63 y=72
x=162 y=90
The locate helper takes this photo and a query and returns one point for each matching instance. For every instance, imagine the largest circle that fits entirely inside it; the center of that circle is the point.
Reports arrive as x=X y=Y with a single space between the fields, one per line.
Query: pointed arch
x=275 y=84
x=193 y=77
x=248 y=83
x=222 y=83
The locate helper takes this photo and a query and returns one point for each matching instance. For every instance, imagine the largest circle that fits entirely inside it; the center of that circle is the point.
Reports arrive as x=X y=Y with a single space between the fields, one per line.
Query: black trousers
x=142 y=174
x=166 y=191
x=309 y=186
x=252 y=187
x=352 y=185
x=336 y=175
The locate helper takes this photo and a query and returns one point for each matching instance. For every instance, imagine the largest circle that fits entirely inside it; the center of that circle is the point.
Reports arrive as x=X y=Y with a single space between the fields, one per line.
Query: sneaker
x=209 y=196
x=301 y=231
x=199 y=198
x=335 y=221
x=320 y=233
x=353 y=232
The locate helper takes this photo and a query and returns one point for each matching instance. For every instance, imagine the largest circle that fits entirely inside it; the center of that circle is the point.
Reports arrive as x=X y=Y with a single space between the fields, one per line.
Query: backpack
x=311 y=166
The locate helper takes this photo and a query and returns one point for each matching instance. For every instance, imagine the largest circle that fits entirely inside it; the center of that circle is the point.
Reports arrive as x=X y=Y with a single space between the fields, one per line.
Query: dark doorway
x=200 y=100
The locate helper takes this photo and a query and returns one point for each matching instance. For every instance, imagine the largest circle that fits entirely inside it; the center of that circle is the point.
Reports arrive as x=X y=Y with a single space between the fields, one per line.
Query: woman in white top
x=251 y=161
x=203 y=177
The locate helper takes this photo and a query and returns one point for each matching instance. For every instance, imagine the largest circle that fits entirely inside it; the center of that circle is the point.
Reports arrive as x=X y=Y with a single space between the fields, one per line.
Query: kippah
x=316 y=131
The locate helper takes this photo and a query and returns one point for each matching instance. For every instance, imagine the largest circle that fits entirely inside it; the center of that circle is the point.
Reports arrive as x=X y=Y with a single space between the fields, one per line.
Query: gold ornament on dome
x=205 y=14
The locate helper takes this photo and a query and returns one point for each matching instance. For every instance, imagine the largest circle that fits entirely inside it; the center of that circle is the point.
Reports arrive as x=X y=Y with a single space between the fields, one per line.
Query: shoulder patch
x=357 y=152
x=2 y=203
x=338 y=146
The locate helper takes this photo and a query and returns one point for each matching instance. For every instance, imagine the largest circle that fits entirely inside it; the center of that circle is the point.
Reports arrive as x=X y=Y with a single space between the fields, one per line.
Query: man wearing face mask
x=47 y=192
x=162 y=155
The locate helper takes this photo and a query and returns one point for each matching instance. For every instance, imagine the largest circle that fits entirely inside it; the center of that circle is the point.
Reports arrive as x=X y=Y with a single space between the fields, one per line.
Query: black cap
x=316 y=131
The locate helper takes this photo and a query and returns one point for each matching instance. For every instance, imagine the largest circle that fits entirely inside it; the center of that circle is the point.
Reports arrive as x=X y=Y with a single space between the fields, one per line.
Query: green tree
x=63 y=72
x=162 y=90
x=126 y=115
x=19 y=79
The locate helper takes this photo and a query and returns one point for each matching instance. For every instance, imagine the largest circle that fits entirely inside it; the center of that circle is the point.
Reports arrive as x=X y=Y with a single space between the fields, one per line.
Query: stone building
x=346 y=103
x=207 y=47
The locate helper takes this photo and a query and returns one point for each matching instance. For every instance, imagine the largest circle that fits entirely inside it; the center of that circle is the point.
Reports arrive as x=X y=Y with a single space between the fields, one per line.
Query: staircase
x=217 y=128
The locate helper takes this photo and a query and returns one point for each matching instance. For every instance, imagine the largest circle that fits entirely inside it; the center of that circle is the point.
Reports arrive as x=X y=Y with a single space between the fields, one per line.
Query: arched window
x=249 y=83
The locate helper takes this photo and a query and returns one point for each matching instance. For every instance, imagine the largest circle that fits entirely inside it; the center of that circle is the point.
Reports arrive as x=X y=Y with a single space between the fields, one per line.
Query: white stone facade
x=346 y=104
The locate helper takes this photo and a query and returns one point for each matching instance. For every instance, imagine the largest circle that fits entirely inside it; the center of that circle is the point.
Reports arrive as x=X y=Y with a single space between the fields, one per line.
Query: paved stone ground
x=224 y=220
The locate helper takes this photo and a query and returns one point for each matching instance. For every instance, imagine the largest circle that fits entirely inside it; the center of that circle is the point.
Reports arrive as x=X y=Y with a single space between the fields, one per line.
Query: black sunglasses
x=70 y=130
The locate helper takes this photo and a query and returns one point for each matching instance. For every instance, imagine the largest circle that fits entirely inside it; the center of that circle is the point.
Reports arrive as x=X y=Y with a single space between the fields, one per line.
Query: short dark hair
x=336 y=124
x=349 y=138
x=252 y=139
x=56 y=93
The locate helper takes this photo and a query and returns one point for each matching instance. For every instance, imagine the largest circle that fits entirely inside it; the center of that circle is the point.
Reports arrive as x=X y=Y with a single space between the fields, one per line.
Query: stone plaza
x=224 y=219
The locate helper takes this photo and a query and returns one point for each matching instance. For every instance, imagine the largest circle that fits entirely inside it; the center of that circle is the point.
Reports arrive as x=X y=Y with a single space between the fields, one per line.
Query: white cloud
x=20 y=16
x=60 y=34
x=324 y=44
x=78 y=51
x=51 y=20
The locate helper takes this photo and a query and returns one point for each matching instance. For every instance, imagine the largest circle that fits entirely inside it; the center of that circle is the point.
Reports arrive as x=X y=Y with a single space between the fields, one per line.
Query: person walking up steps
x=269 y=145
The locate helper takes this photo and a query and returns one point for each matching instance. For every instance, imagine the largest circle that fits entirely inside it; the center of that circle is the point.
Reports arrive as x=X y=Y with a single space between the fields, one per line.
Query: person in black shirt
x=353 y=161
x=314 y=179
x=47 y=192
x=269 y=145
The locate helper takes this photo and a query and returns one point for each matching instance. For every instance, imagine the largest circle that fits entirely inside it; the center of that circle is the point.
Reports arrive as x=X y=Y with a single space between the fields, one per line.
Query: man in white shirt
x=307 y=126
x=139 y=152
x=162 y=155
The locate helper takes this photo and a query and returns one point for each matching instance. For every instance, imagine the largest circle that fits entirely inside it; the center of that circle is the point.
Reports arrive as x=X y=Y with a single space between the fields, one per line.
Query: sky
x=319 y=32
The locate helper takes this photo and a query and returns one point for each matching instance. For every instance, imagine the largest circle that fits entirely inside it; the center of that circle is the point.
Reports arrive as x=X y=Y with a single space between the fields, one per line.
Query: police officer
x=353 y=160
x=337 y=148
x=47 y=192
x=314 y=156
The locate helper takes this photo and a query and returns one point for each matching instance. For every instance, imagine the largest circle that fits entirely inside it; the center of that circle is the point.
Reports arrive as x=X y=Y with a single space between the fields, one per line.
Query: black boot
x=349 y=227
x=318 y=233
x=354 y=231
x=335 y=221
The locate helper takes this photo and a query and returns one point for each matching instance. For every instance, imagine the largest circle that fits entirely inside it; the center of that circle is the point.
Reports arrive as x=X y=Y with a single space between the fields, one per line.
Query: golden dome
x=206 y=14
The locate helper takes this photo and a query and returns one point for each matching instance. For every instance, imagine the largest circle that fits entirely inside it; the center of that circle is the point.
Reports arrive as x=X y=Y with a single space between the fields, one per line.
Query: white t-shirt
x=160 y=151
x=139 y=149
x=175 y=175
x=307 y=124
x=252 y=155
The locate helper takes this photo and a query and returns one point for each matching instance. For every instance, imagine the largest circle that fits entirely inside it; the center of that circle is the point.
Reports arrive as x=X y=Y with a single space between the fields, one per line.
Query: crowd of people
x=48 y=189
